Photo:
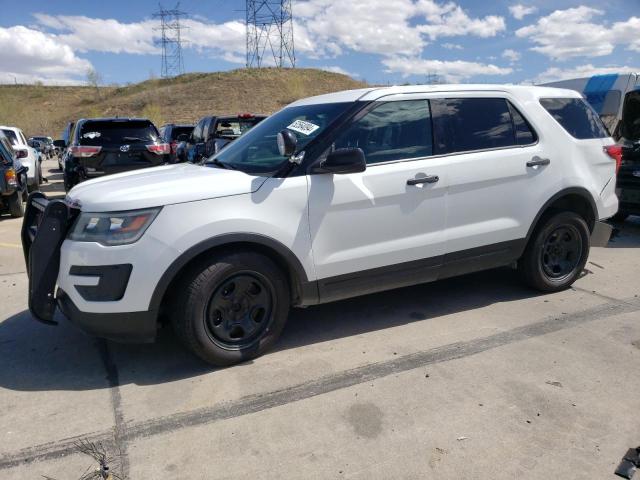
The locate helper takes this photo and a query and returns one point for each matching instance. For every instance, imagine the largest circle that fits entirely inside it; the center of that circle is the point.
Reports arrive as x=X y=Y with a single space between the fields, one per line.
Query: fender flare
x=303 y=291
x=580 y=191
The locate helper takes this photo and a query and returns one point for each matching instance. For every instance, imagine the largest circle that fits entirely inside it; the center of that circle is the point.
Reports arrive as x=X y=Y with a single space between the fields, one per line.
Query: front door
x=381 y=228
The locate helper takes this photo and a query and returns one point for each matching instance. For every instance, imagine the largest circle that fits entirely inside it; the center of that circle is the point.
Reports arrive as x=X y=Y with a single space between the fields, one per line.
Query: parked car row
x=96 y=147
x=13 y=179
x=28 y=156
x=334 y=196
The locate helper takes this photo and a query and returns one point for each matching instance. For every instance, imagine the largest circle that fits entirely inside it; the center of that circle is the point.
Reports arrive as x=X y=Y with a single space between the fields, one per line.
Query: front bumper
x=44 y=229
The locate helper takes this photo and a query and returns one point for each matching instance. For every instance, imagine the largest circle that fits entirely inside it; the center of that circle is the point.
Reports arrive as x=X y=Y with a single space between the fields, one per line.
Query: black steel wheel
x=239 y=310
x=231 y=306
x=561 y=251
x=556 y=252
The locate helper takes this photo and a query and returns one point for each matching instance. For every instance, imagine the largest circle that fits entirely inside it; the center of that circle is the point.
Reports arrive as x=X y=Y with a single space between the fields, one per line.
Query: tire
x=16 y=207
x=556 y=253
x=69 y=181
x=620 y=216
x=231 y=307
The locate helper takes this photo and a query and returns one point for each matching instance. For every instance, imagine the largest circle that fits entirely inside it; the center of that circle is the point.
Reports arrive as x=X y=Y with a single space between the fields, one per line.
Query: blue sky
x=381 y=41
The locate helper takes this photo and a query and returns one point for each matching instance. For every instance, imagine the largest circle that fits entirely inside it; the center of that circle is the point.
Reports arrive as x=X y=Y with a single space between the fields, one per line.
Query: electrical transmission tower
x=270 y=33
x=170 y=40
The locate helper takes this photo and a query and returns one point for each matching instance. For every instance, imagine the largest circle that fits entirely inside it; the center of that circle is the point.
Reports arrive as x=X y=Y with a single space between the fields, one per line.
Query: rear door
x=498 y=174
x=123 y=146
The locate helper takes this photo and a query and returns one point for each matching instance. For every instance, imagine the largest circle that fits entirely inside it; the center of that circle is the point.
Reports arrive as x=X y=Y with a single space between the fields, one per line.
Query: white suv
x=334 y=196
x=28 y=156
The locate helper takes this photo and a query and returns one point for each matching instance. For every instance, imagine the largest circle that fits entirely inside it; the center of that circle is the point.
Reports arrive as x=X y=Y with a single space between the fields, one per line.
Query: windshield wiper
x=133 y=139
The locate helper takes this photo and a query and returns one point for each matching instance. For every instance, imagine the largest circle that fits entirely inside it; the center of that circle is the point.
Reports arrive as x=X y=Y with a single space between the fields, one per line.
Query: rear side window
x=114 y=133
x=576 y=117
x=467 y=124
x=392 y=131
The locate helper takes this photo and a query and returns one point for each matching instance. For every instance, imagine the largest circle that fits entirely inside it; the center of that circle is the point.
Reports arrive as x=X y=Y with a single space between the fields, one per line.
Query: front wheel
x=556 y=253
x=231 y=307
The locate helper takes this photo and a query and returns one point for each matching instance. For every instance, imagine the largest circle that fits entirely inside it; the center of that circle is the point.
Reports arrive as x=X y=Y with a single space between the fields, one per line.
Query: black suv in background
x=102 y=146
x=211 y=134
x=170 y=133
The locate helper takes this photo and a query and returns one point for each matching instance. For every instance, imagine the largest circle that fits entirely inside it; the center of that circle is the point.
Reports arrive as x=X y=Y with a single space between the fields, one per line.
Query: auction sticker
x=305 y=128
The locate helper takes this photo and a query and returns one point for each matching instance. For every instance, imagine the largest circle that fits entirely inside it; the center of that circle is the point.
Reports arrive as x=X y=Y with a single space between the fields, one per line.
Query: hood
x=158 y=186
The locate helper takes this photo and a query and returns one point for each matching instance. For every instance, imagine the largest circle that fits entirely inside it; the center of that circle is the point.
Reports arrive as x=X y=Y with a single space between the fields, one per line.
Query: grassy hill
x=39 y=109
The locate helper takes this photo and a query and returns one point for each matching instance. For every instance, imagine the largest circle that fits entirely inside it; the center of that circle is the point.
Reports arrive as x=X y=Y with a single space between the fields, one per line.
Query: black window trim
x=376 y=103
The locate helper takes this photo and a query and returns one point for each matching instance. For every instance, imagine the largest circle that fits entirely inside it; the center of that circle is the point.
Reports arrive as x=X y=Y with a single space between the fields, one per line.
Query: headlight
x=116 y=228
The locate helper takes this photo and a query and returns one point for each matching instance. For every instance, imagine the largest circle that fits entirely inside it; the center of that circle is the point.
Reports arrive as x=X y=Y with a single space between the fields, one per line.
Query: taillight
x=159 y=148
x=22 y=153
x=84 y=151
x=615 y=152
x=10 y=177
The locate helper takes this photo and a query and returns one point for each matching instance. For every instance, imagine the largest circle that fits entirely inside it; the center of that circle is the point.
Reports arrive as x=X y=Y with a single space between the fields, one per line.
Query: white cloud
x=452 y=46
x=337 y=69
x=571 y=33
x=553 y=74
x=520 y=11
x=225 y=40
x=452 y=71
x=511 y=55
x=401 y=27
x=28 y=55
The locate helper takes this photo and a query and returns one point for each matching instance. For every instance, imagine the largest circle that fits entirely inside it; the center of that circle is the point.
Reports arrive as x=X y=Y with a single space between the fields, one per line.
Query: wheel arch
x=302 y=290
x=575 y=199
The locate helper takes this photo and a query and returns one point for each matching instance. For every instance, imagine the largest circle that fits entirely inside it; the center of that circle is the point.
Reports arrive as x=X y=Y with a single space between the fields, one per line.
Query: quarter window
x=576 y=116
x=467 y=124
x=524 y=133
x=391 y=131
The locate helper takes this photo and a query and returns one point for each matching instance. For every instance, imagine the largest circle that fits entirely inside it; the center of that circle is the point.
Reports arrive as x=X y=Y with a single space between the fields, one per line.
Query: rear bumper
x=126 y=327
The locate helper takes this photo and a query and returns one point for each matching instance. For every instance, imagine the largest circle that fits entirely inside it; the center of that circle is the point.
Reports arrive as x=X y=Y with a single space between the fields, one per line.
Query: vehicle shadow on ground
x=37 y=357
x=626 y=234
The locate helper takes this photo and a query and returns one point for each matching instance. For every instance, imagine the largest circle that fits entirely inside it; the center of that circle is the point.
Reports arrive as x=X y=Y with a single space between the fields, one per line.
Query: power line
x=170 y=40
x=270 y=33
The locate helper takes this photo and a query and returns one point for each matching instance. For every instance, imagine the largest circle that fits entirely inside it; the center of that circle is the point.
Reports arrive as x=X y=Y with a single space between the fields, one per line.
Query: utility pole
x=270 y=33
x=170 y=40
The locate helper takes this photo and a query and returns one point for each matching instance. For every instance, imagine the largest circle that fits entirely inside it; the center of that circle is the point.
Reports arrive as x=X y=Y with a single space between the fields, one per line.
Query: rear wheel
x=232 y=307
x=556 y=253
x=16 y=207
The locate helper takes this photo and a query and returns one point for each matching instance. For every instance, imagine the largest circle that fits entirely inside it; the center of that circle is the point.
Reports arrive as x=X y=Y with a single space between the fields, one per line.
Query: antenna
x=270 y=33
x=170 y=40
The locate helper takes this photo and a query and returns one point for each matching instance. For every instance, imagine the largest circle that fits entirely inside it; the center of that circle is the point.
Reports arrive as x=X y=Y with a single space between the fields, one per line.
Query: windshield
x=108 y=133
x=257 y=150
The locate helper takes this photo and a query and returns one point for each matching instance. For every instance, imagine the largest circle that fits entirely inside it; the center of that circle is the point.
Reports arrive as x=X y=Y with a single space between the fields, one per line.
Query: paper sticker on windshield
x=305 y=128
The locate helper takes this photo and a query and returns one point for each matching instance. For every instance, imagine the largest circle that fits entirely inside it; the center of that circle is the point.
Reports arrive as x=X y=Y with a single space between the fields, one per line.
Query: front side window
x=576 y=116
x=257 y=150
x=468 y=124
x=391 y=131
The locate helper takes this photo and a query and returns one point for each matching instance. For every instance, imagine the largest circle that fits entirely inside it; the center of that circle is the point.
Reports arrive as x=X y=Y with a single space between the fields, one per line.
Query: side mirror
x=183 y=137
x=60 y=144
x=343 y=160
x=287 y=142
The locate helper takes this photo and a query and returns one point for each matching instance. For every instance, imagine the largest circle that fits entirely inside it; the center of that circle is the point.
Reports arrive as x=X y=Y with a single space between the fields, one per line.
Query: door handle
x=537 y=161
x=427 y=179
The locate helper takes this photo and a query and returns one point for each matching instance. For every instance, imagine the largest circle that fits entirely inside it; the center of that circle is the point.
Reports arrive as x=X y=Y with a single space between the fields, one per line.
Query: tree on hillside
x=94 y=79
